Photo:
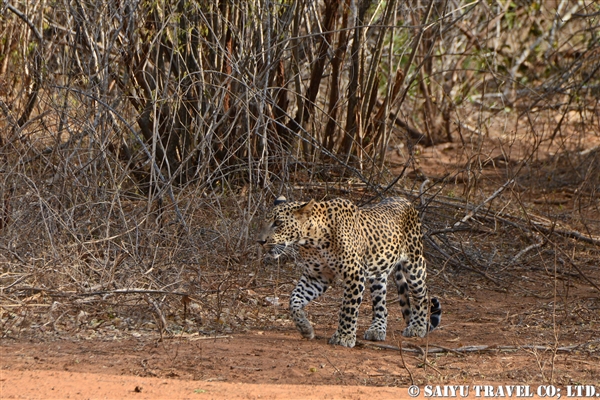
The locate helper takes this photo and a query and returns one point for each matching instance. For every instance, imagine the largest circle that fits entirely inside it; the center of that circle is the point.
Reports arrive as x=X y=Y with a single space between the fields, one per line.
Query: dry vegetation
x=140 y=143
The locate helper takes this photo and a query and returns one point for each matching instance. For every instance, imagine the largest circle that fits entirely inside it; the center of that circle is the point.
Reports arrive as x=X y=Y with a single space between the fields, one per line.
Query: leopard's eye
x=276 y=223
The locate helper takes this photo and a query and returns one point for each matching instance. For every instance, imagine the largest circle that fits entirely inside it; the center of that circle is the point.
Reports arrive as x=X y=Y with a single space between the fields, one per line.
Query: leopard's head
x=282 y=229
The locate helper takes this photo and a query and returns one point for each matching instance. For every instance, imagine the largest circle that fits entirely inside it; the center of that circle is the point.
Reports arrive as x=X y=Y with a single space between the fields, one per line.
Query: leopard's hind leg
x=414 y=300
x=416 y=307
x=378 y=289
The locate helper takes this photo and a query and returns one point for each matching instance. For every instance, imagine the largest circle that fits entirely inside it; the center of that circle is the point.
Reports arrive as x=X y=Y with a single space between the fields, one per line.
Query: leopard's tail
x=435 y=314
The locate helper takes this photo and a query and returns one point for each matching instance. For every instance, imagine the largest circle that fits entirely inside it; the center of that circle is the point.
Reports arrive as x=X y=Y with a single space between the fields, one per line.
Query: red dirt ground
x=279 y=364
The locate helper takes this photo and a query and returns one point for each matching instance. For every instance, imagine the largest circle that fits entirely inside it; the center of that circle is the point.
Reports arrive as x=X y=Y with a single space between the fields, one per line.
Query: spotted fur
x=362 y=246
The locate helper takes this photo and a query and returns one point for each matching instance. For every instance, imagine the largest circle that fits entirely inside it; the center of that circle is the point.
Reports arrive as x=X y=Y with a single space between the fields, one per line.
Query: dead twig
x=436 y=349
x=573 y=234
x=333 y=365
x=57 y=293
x=526 y=226
x=490 y=198
x=193 y=339
x=2 y=289
x=412 y=379
x=131 y=291
x=456 y=264
x=527 y=249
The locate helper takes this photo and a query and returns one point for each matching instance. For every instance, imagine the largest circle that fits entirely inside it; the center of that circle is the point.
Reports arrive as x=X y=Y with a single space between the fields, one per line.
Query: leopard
x=336 y=240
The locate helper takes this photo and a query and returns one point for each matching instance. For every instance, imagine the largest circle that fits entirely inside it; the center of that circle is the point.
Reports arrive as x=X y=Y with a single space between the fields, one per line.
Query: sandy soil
x=277 y=363
x=75 y=385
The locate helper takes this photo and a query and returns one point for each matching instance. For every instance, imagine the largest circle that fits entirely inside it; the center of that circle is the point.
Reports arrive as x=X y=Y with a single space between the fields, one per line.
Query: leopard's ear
x=304 y=212
x=279 y=200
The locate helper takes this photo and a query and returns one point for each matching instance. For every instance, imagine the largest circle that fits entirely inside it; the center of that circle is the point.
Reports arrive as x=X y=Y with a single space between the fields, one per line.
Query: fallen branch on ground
x=57 y=293
x=433 y=348
x=492 y=197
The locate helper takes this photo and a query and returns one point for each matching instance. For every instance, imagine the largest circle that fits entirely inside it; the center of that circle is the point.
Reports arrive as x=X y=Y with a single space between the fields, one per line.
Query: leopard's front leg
x=354 y=286
x=307 y=289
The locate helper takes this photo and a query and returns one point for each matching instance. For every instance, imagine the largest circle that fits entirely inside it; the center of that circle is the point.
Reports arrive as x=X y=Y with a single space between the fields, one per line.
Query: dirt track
x=277 y=363
x=73 y=385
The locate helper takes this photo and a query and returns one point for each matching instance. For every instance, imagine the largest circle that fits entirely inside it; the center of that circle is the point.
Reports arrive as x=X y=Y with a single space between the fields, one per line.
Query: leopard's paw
x=346 y=340
x=306 y=329
x=375 y=334
x=302 y=323
x=415 y=330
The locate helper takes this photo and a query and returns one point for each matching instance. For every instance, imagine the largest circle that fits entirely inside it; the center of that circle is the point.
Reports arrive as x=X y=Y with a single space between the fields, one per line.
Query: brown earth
x=523 y=347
